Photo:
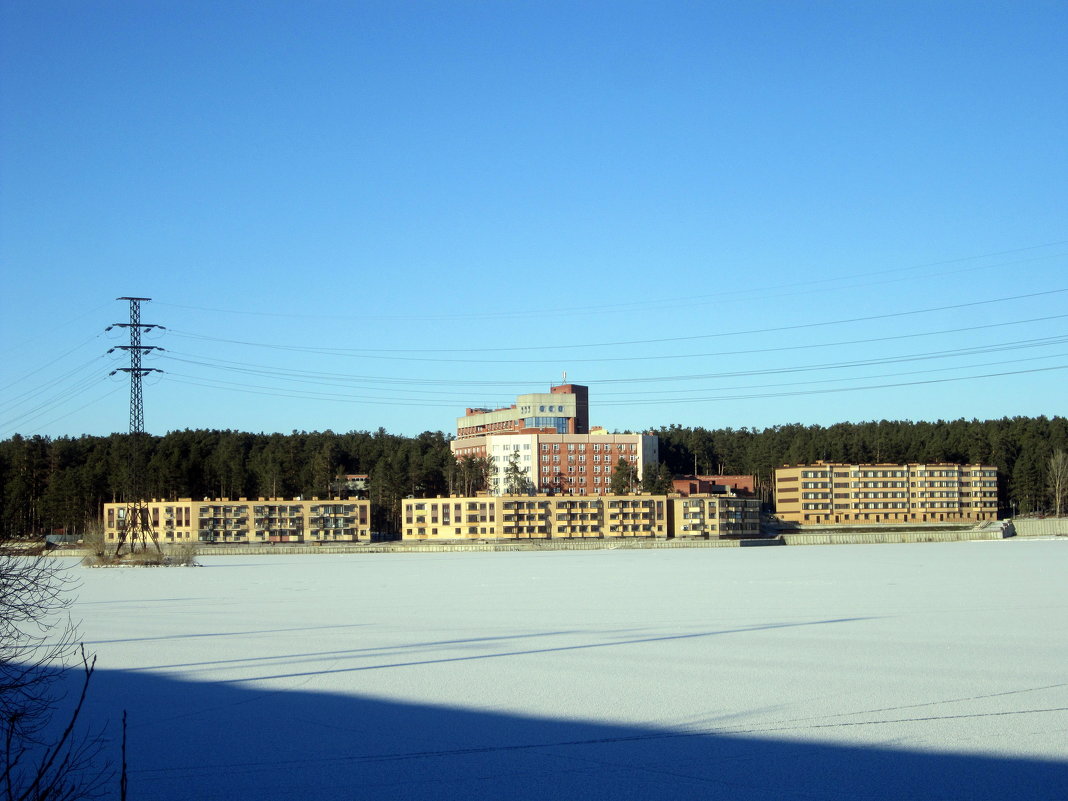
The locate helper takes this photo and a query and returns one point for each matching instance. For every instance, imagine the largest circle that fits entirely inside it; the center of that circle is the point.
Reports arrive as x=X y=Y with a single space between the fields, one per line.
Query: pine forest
x=52 y=485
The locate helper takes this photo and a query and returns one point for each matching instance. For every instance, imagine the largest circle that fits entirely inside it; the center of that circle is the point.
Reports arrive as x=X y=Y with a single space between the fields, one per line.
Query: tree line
x=51 y=484
x=1020 y=447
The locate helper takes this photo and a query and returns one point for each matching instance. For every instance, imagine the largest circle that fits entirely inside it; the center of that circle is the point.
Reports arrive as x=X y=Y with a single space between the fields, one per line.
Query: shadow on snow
x=226 y=741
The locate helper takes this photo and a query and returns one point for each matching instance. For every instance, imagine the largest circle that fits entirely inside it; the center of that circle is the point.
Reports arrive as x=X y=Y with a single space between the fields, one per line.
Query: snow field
x=835 y=656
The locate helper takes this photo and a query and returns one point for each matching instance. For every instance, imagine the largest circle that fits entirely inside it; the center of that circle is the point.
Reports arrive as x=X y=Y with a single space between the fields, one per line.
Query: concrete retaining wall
x=841 y=536
x=1041 y=527
x=879 y=537
x=524 y=545
x=440 y=547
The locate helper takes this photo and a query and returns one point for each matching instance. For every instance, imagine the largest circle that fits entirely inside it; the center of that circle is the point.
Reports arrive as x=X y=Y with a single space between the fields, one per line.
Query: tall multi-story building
x=265 y=520
x=832 y=493
x=548 y=436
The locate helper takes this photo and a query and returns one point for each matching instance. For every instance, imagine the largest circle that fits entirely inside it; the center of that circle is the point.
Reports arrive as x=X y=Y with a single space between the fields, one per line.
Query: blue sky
x=352 y=215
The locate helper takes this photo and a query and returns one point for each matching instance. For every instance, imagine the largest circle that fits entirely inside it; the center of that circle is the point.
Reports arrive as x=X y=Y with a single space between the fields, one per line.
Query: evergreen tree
x=624 y=477
x=516 y=480
x=656 y=479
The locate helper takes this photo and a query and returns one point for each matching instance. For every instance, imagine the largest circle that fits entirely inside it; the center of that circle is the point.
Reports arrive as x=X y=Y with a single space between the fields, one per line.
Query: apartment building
x=562 y=516
x=832 y=493
x=263 y=520
x=715 y=516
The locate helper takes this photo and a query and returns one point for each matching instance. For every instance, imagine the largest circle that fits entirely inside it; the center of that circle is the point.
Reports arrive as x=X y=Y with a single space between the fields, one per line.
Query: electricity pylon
x=135 y=530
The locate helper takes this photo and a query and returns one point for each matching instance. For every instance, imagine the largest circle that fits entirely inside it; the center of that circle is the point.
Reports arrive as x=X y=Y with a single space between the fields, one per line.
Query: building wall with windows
x=534 y=517
x=573 y=517
x=846 y=494
x=563 y=464
x=241 y=520
x=715 y=516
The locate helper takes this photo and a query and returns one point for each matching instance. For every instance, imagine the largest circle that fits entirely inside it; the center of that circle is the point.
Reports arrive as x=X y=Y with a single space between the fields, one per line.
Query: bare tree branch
x=47 y=756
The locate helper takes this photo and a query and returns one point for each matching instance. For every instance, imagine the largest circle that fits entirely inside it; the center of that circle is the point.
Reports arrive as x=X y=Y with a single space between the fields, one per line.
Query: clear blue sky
x=377 y=214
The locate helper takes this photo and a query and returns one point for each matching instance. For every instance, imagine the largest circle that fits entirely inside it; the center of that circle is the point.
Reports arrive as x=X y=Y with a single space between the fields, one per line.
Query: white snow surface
x=829 y=672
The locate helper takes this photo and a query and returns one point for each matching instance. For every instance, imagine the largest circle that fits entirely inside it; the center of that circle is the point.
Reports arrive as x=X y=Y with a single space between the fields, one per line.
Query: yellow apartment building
x=574 y=517
x=716 y=516
x=534 y=517
x=845 y=494
x=263 y=520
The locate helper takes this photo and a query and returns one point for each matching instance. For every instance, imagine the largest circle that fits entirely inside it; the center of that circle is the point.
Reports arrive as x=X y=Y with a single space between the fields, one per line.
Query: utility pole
x=136 y=530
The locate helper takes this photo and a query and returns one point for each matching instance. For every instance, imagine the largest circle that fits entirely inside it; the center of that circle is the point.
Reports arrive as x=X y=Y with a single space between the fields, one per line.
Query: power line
x=54 y=327
x=345 y=398
x=636 y=397
x=37 y=391
x=872 y=386
x=675 y=302
x=46 y=365
x=75 y=411
x=386 y=354
x=923 y=355
x=72 y=392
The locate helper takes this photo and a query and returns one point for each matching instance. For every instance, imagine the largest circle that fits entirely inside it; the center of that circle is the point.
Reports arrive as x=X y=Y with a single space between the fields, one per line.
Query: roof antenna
x=565 y=376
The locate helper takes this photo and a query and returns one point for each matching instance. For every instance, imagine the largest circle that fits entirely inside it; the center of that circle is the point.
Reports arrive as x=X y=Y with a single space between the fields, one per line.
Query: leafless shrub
x=179 y=556
x=45 y=755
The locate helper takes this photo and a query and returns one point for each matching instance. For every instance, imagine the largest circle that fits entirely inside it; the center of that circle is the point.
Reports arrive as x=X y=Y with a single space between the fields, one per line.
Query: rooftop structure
x=564 y=409
x=695 y=485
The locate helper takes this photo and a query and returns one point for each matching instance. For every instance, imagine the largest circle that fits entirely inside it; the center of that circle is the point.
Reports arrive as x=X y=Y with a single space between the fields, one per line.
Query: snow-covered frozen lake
x=833 y=672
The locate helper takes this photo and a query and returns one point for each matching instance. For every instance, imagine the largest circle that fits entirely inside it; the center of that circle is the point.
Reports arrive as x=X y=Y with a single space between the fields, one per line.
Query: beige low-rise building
x=241 y=520
x=573 y=517
x=828 y=493
x=716 y=516
x=534 y=517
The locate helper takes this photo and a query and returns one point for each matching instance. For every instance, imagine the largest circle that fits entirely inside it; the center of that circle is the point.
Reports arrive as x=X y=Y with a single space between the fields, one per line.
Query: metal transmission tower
x=136 y=530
